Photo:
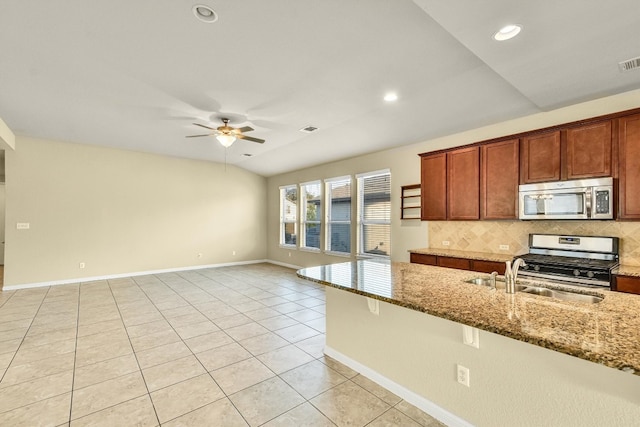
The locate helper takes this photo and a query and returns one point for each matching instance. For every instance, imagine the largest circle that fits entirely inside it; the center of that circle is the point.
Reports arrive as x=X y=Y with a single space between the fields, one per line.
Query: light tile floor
x=232 y=346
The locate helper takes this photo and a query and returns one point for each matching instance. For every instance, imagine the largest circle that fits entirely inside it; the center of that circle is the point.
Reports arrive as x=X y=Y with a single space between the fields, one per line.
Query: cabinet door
x=499 y=163
x=629 y=167
x=589 y=151
x=488 y=266
x=459 y=263
x=627 y=284
x=540 y=158
x=423 y=259
x=463 y=184
x=434 y=187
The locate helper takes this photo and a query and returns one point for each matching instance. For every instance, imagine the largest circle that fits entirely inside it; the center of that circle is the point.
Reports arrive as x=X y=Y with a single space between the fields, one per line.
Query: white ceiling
x=137 y=74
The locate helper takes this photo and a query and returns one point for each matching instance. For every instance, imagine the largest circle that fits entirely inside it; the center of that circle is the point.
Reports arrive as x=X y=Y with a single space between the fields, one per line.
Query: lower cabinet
x=459 y=263
x=629 y=284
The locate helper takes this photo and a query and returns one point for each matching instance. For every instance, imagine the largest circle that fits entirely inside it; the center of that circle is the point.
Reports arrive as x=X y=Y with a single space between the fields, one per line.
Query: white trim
x=415 y=399
x=310 y=249
x=284 y=264
x=339 y=178
x=133 y=274
x=336 y=253
x=290 y=247
x=374 y=173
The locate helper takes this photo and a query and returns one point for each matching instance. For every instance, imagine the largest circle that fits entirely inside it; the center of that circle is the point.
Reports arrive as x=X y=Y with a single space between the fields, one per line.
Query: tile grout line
x=75 y=352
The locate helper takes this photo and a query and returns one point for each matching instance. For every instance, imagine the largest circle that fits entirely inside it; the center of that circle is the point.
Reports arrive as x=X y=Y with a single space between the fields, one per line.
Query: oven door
x=566 y=203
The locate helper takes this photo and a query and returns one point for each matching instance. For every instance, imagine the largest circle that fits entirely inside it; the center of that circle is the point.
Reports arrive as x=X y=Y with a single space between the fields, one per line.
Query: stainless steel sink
x=482 y=281
x=561 y=295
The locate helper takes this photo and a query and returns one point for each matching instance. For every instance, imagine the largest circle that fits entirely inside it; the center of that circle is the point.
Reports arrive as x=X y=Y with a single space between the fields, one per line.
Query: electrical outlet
x=81 y=265
x=445 y=243
x=289 y=254
x=470 y=336
x=233 y=253
x=504 y=247
x=463 y=375
x=22 y=225
x=199 y=255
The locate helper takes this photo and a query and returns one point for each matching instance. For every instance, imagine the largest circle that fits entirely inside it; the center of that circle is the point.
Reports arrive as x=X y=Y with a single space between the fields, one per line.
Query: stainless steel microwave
x=579 y=199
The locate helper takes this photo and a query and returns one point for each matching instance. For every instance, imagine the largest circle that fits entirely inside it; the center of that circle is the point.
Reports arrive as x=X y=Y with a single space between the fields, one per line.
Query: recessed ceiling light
x=205 y=13
x=507 y=32
x=308 y=129
x=247 y=155
x=391 y=96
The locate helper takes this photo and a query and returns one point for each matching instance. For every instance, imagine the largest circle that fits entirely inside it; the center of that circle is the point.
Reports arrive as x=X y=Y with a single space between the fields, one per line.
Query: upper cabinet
x=450 y=184
x=463 y=184
x=499 y=180
x=574 y=153
x=433 y=173
x=540 y=158
x=629 y=167
x=588 y=151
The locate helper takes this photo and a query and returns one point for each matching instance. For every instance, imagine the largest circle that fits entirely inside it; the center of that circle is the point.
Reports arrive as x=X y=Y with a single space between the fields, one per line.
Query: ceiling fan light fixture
x=391 y=97
x=226 y=139
x=205 y=13
x=507 y=32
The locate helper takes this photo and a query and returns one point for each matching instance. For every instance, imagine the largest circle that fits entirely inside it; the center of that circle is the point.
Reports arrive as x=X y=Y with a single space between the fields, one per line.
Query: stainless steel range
x=580 y=260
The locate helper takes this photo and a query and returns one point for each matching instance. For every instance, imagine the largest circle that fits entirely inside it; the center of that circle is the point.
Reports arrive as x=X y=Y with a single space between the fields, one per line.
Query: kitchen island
x=401 y=324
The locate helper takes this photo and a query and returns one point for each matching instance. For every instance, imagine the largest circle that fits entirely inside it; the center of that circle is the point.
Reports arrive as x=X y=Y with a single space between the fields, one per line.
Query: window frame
x=303 y=217
x=362 y=222
x=283 y=218
x=329 y=221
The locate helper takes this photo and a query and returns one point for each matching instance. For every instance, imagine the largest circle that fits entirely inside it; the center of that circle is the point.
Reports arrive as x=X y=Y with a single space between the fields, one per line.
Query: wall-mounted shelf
x=410 y=202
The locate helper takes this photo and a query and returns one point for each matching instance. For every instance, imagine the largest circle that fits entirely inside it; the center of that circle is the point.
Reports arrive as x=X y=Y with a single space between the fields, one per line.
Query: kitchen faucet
x=511 y=274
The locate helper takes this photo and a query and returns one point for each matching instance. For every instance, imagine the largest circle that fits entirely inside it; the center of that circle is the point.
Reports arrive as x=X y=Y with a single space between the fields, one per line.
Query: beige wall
x=404 y=164
x=124 y=212
x=513 y=383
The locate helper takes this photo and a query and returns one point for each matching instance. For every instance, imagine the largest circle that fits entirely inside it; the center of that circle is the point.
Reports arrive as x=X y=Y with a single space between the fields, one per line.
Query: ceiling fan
x=227 y=135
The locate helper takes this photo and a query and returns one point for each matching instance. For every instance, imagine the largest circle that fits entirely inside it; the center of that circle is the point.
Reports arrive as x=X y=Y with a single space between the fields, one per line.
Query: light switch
x=22 y=225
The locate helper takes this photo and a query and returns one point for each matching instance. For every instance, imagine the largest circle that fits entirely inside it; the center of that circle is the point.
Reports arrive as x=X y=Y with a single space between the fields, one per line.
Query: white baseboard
x=133 y=274
x=415 y=399
x=284 y=264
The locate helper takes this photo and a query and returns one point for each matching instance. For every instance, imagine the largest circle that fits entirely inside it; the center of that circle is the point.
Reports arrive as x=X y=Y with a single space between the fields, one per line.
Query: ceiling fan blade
x=245 y=129
x=203 y=126
x=196 y=136
x=252 y=139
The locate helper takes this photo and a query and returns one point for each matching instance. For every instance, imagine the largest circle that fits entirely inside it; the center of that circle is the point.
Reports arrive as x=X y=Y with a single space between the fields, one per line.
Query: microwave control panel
x=602 y=202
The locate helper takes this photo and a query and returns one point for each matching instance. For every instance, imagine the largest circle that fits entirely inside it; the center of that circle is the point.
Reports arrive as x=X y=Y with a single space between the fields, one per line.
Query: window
x=374 y=213
x=339 y=215
x=288 y=215
x=311 y=215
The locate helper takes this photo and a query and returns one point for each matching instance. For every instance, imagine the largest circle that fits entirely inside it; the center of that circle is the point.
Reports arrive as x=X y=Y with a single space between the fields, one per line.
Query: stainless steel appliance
x=580 y=260
x=580 y=199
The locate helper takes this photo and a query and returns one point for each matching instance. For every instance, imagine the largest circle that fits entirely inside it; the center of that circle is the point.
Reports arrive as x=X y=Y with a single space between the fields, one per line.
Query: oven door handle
x=587 y=201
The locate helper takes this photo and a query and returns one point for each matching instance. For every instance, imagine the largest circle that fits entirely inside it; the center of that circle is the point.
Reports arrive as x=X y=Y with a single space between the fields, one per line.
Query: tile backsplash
x=487 y=236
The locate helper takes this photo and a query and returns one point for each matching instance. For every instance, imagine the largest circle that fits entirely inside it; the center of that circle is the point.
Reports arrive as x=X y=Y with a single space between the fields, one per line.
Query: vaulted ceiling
x=137 y=74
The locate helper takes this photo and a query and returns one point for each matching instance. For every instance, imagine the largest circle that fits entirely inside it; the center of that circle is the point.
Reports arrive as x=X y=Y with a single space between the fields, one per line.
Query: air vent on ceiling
x=309 y=129
x=629 y=64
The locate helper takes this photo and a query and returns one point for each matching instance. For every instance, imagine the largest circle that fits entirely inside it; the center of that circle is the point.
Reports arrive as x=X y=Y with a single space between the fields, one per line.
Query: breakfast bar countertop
x=481 y=256
x=607 y=332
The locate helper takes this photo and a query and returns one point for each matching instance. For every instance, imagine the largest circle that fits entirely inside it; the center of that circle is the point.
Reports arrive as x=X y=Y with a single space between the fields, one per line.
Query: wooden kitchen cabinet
x=499 y=164
x=433 y=177
x=629 y=167
x=540 y=158
x=588 y=152
x=627 y=284
x=459 y=263
x=463 y=184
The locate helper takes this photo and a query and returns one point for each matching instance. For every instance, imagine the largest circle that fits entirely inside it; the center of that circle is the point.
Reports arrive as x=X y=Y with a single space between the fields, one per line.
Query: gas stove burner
x=559 y=258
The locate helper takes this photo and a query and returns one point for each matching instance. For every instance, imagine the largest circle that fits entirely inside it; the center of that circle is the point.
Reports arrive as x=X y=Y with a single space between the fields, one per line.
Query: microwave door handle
x=587 y=201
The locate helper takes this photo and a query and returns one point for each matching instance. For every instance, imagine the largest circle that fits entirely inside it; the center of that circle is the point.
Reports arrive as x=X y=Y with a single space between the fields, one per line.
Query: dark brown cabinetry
x=626 y=284
x=450 y=185
x=629 y=167
x=540 y=158
x=499 y=180
x=463 y=184
x=459 y=263
x=588 y=151
x=434 y=186
x=573 y=153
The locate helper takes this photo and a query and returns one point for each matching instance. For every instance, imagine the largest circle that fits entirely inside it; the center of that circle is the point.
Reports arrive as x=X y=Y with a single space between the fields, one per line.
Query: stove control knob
x=576 y=272
x=536 y=268
x=590 y=274
x=525 y=267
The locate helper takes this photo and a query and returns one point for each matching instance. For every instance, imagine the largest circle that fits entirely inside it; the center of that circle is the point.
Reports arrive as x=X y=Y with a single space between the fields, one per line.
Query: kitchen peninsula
x=401 y=324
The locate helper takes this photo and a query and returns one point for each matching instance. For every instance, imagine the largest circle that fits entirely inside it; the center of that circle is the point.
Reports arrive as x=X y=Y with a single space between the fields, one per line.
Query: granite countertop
x=607 y=332
x=481 y=256
x=624 y=270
